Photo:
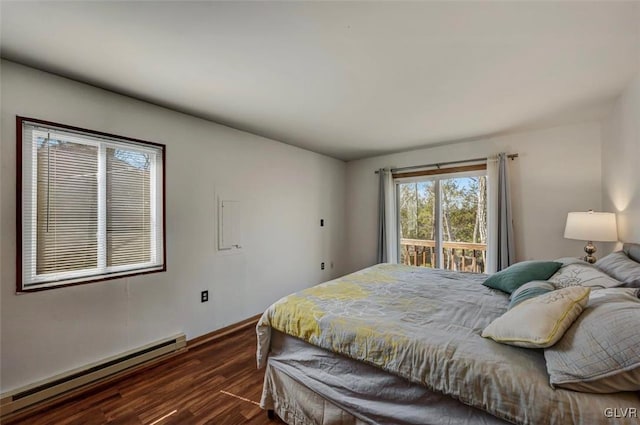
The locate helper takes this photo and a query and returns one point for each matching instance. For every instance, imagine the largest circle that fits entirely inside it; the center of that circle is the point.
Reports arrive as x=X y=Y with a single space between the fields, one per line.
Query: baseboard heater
x=59 y=385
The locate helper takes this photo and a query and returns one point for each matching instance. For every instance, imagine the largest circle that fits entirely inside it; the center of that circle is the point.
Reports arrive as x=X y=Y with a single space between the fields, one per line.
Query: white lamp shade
x=591 y=226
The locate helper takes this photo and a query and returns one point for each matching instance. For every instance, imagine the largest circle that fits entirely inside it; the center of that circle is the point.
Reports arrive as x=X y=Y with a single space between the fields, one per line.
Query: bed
x=394 y=344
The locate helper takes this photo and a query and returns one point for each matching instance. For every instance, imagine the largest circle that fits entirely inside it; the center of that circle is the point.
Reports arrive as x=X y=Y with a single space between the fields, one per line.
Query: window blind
x=67 y=208
x=91 y=206
x=128 y=207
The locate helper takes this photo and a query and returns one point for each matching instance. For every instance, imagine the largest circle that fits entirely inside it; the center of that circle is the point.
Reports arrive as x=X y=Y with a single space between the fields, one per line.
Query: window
x=91 y=208
x=443 y=220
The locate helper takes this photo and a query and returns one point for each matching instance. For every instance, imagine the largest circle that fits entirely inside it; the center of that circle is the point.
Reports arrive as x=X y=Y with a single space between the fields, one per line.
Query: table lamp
x=591 y=226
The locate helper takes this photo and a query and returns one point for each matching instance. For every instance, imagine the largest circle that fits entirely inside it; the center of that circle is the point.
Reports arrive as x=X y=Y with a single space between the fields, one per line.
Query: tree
x=463 y=208
x=480 y=228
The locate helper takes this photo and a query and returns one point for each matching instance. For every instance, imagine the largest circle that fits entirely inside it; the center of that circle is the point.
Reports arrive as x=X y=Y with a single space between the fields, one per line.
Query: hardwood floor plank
x=185 y=389
x=181 y=417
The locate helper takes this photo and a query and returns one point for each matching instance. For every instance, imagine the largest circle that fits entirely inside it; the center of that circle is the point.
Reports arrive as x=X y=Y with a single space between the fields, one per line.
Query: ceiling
x=347 y=79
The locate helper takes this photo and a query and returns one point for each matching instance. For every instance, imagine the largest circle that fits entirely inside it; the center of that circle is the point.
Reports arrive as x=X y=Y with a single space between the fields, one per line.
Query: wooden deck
x=459 y=256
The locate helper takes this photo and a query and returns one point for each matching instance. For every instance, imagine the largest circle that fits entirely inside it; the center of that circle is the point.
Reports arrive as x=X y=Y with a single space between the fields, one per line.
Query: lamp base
x=590 y=249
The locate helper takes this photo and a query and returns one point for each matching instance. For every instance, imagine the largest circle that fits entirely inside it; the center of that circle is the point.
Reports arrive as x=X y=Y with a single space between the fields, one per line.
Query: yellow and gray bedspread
x=424 y=325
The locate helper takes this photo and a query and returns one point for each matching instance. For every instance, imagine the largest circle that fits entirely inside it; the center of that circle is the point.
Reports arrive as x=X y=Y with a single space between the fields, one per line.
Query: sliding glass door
x=443 y=221
x=417 y=227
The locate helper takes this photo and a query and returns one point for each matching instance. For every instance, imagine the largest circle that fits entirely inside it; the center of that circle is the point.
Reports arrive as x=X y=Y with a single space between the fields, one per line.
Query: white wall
x=558 y=171
x=620 y=160
x=284 y=190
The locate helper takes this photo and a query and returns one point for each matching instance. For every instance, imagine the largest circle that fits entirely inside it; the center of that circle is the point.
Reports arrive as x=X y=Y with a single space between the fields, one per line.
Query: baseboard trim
x=21 y=414
x=208 y=338
x=222 y=333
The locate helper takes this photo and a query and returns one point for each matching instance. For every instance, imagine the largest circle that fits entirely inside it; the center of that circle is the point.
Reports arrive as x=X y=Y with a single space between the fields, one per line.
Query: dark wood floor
x=215 y=383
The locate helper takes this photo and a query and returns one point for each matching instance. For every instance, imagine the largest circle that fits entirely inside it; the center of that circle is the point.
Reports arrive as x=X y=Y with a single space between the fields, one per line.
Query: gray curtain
x=506 y=247
x=382 y=233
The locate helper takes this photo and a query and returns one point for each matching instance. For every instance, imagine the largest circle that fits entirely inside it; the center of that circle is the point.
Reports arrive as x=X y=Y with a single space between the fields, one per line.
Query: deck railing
x=459 y=256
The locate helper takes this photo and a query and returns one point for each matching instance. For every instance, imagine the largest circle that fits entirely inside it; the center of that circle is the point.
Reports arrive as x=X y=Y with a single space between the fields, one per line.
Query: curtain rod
x=440 y=164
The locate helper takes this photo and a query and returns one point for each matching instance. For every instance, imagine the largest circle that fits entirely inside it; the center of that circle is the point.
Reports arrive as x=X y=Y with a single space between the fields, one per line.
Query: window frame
x=436 y=176
x=115 y=272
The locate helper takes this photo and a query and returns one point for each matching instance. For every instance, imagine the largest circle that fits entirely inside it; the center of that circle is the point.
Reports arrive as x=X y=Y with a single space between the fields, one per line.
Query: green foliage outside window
x=464 y=210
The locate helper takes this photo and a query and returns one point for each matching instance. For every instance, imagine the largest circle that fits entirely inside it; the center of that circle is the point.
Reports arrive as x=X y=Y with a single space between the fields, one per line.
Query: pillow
x=601 y=351
x=621 y=267
x=570 y=260
x=530 y=290
x=511 y=278
x=583 y=274
x=632 y=250
x=541 y=321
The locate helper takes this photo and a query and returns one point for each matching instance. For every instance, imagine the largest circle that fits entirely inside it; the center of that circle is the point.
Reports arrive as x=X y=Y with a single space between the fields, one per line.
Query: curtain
x=382 y=236
x=501 y=243
x=492 y=216
x=387 y=249
x=506 y=246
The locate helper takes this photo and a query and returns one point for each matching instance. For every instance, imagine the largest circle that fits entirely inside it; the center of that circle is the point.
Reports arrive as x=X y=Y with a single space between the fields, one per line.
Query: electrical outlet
x=322 y=266
x=204 y=296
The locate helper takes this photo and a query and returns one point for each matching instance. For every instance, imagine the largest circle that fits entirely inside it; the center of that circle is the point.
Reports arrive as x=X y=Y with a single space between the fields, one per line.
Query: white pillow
x=582 y=274
x=541 y=321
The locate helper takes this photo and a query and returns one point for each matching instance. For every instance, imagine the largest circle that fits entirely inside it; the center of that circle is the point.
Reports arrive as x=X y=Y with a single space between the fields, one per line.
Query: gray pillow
x=582 y=274
x=619 y=266
x=632 y=250
x=528 y=291
x=600 y=352
x=570 y=260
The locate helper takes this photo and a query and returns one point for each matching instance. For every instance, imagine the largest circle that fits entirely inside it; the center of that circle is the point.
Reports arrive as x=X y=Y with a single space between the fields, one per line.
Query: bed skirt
x=307 y=385
x=297 y=405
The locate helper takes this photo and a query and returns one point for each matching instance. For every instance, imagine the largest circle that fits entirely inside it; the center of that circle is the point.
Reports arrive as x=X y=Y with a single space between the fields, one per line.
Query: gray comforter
x=424 y=325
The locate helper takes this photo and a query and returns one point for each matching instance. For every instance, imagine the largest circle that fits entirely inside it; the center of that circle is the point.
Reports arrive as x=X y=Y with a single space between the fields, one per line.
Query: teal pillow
x=513 y=277
x=530 y=290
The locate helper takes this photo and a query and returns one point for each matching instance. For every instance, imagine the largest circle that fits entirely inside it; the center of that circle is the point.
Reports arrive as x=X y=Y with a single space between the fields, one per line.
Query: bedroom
x=288 y=109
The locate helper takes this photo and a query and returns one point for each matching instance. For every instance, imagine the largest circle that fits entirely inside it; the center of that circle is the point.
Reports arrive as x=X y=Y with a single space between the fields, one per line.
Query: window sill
x=88 y=279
